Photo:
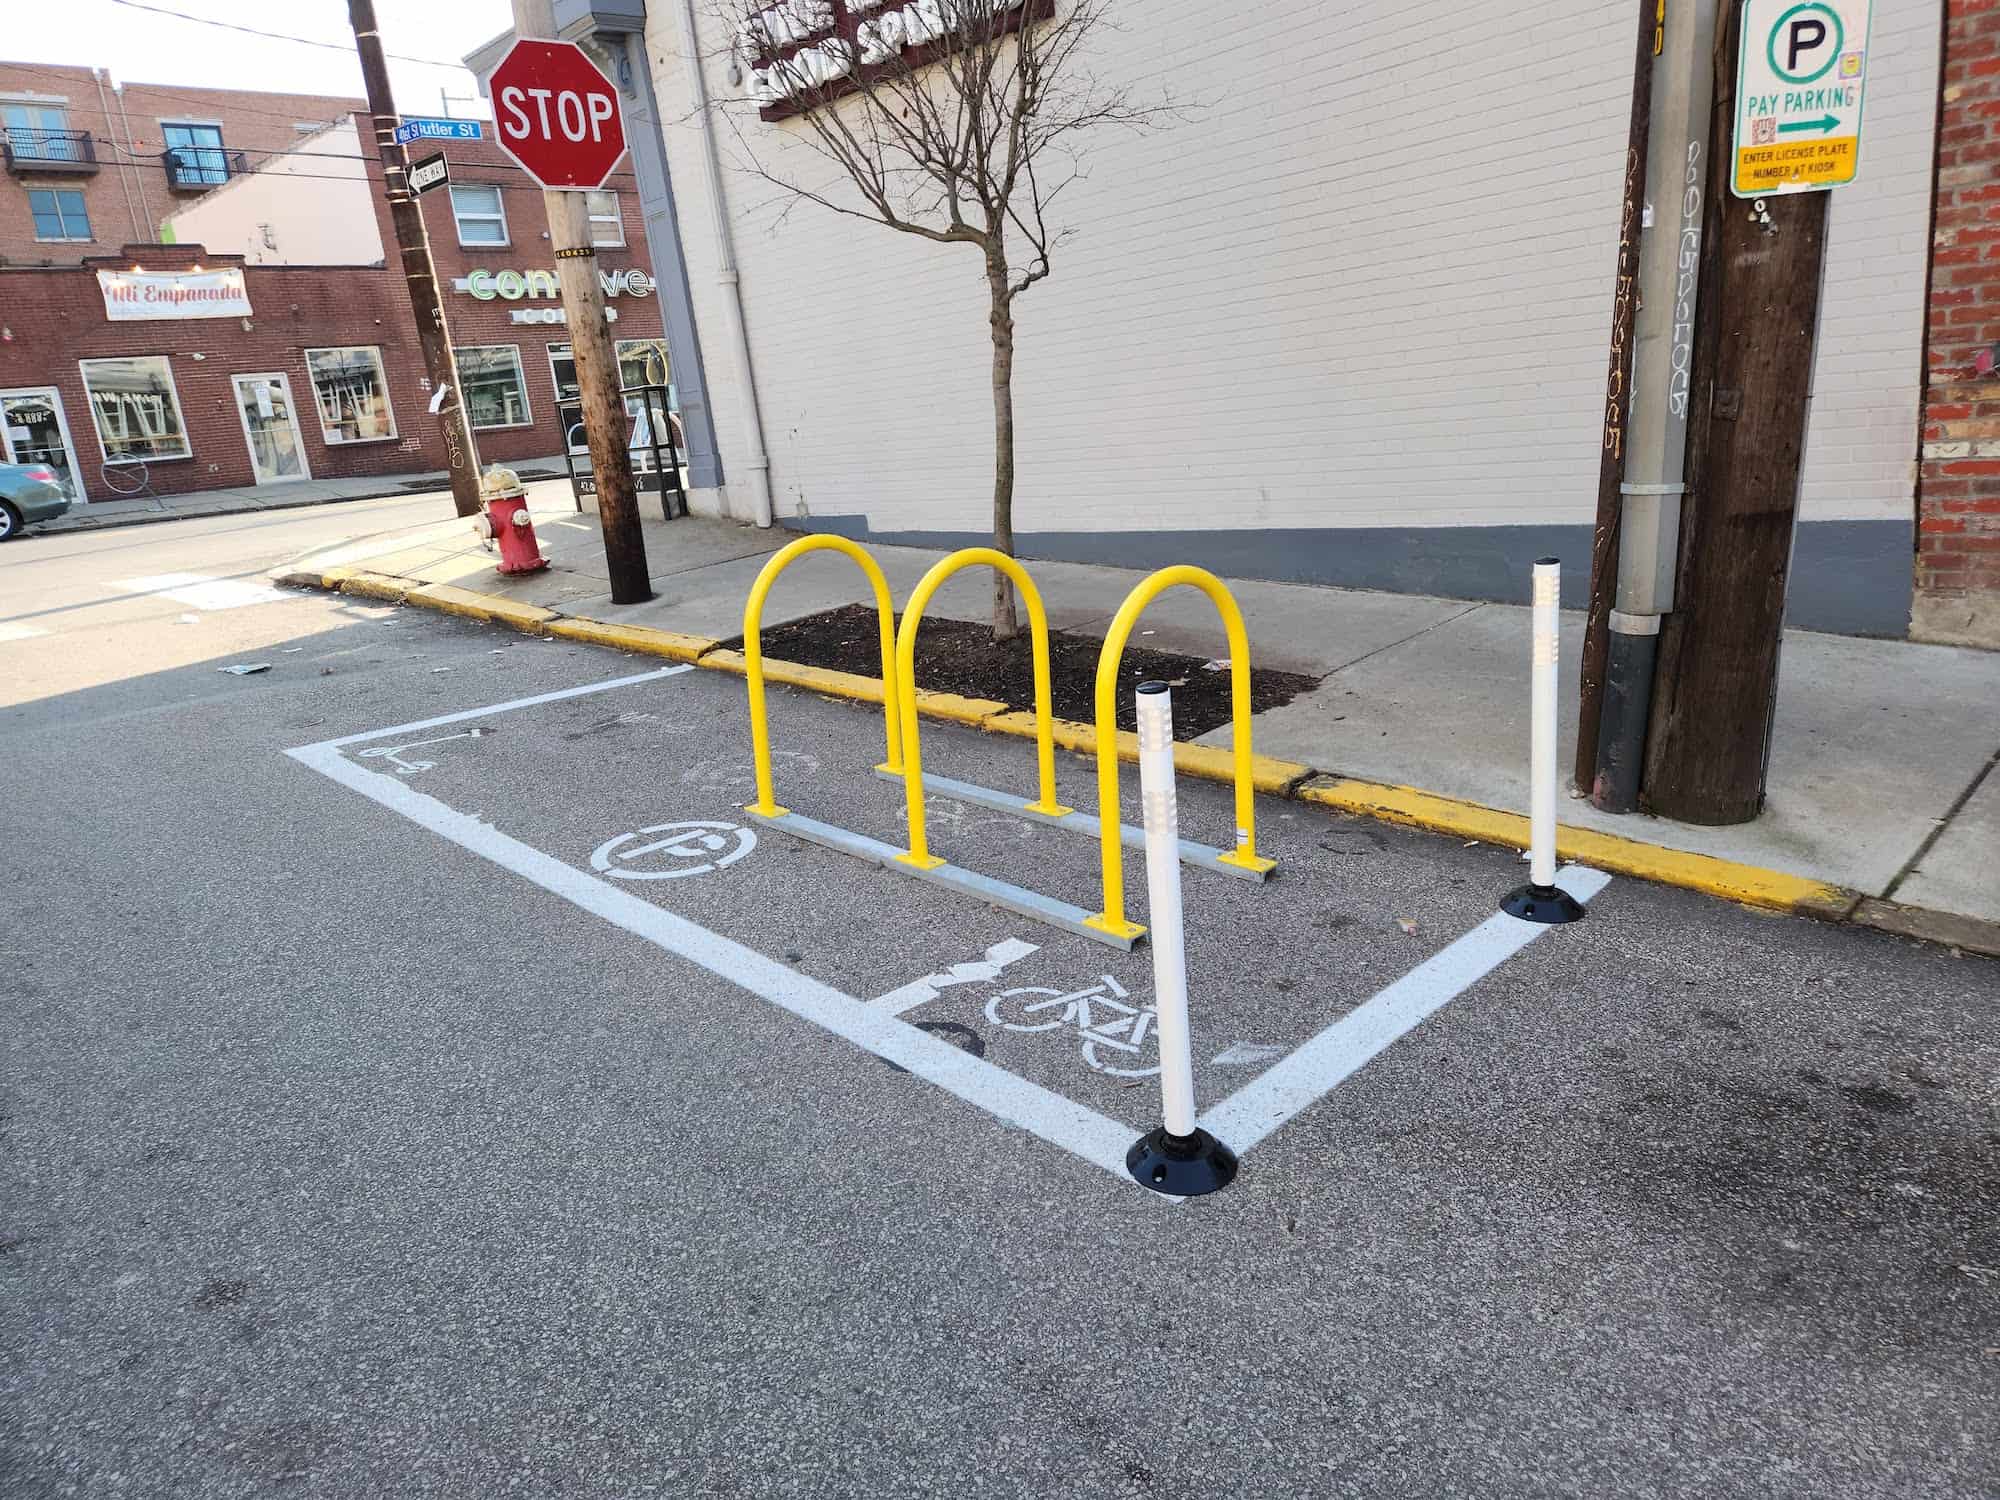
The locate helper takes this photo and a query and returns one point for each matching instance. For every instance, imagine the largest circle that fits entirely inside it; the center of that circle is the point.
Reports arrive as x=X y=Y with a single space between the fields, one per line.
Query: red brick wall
x=128 y=195
x=1958 y=496
x=54 y=318
x=474 y=321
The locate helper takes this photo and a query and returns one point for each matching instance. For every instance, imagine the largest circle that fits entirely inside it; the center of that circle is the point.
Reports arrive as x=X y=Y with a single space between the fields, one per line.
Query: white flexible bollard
x=1541 y=900
x=1180 y=1157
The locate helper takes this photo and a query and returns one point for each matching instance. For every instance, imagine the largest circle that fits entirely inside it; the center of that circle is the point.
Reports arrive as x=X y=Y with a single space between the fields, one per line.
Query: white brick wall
x=1366 y=281
x=1861 y=452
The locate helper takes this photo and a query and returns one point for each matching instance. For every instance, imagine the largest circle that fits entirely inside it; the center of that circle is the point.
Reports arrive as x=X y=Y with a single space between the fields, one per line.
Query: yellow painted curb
x=449 y=599
x=1749 y=884
x=1209 y=762
x=369 y=585
x=668 y=643
x=956 y=710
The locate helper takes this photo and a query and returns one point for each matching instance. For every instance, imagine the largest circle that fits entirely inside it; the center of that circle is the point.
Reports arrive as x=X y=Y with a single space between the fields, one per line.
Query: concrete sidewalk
x=1882 y=782
x=146 y=509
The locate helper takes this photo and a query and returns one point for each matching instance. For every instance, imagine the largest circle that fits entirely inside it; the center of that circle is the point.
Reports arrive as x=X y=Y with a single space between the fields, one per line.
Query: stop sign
x=557 y=115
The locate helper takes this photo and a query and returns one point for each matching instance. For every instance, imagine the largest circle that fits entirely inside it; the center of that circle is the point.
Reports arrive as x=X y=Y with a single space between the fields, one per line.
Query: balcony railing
x=49 y=150
x=196 y=169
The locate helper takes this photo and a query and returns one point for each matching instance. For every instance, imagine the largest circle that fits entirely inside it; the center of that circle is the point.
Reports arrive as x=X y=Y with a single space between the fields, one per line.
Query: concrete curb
x=1746 y=885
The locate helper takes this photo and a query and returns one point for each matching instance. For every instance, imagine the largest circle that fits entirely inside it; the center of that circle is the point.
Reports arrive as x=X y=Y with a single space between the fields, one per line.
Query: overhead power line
x=280 y=36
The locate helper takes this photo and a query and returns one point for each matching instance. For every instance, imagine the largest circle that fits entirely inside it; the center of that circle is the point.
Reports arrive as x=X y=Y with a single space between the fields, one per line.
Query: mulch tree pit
x=958 y=656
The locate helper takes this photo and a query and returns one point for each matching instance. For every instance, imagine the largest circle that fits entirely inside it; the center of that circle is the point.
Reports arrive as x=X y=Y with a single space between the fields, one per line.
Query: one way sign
x=432 y=171
x=1799 y=80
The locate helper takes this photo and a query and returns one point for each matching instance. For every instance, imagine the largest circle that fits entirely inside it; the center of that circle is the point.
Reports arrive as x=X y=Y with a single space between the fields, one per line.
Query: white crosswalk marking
x=199 y=592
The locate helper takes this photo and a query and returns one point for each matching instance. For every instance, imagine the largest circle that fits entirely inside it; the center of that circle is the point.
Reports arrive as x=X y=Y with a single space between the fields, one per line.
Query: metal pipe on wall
x=1656 y=443
x=759 y=463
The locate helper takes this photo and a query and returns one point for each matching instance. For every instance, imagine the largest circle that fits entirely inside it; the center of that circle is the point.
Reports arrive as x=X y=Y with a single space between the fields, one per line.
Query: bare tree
x=959 y=121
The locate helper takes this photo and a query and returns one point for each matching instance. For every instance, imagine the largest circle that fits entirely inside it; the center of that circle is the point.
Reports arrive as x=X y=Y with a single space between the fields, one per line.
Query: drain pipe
x=122 y=148
x=759 y=464
x=1677 y=169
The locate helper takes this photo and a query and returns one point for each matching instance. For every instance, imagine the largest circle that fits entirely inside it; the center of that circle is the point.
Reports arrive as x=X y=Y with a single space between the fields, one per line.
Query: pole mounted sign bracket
x=1800 y=75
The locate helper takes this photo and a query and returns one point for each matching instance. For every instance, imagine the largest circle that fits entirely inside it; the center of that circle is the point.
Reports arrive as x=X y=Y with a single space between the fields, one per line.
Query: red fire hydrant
x=506 y=520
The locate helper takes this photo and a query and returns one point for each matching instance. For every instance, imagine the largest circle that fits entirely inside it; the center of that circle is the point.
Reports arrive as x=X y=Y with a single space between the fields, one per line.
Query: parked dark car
x=28 y=492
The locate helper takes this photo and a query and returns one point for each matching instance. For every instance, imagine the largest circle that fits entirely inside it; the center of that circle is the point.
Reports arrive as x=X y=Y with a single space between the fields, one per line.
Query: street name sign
x=432 y=171
x=557 y=115
x=438 y=130
x=1799 y=80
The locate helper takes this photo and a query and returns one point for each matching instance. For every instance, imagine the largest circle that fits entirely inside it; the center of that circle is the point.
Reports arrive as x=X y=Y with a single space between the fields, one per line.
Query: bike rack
x=1109 y=925
x=1244 y=859
x=766 y=805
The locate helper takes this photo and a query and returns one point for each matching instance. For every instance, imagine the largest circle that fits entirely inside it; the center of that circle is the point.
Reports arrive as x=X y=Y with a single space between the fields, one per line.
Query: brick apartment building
x=254 y=333
x=91 y=166
x=1958 y=486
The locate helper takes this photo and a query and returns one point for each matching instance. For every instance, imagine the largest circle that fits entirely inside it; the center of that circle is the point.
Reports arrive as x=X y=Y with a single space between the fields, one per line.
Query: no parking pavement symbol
x=673 y=851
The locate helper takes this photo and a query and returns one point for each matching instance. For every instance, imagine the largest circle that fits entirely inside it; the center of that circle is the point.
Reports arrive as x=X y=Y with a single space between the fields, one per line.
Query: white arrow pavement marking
x=923 y=991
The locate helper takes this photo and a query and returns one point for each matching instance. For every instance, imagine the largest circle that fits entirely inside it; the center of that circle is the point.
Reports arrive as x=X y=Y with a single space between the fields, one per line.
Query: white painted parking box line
x=1308 y=1074
x=1061 y=1122
x=501 y=708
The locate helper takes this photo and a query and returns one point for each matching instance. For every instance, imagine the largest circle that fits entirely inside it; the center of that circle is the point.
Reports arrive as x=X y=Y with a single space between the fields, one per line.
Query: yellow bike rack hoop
x=918 y=854
x=766 y=804
x=1243 y=856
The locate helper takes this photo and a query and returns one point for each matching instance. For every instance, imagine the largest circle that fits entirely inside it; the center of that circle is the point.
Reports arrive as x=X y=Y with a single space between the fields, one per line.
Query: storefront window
x=136 y=408
x=640 y=362
x=495 y=393
x=351 y=393
x=562 y=370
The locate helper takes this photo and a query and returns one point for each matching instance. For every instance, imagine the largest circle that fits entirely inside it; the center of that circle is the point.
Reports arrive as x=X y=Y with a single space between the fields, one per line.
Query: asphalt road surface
x=489 y=1107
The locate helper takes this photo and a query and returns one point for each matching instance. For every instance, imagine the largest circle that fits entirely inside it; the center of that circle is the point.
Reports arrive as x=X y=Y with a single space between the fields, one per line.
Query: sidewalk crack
x=1937 y=830
x=1413 y=635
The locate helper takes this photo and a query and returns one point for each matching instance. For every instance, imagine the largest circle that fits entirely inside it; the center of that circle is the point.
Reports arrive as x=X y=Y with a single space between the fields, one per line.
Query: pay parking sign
x=1799 y=79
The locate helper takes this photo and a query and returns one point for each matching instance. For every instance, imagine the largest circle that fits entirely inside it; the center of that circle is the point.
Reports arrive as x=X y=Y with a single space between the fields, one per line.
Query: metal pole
x=1180 y=1157
x=1540 y=900
x=1656 y=446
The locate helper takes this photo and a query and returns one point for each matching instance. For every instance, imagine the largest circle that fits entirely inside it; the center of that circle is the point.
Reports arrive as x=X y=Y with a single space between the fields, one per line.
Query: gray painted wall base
x=1848 y=577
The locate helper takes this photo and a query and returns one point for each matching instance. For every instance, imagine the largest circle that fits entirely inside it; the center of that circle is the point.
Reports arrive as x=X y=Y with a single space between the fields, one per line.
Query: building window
x=40 y=132
x=607 y=225
x=495 y=393
x=59 y=214
x=481 y=216
x=352 y=394
x=135 y=406
x=195 y=157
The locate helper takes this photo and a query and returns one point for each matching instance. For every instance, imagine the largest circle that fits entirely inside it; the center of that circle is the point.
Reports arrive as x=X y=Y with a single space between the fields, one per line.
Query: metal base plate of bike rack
x=980 y=887
x=1201 y=856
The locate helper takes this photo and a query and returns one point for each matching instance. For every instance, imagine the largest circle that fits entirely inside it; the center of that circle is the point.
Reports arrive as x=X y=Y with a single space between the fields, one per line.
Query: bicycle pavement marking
x=1245 y=1119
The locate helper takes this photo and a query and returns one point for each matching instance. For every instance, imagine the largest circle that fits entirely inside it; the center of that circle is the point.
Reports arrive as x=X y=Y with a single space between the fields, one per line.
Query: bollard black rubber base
x=1546 y=904
x=1184 y=1165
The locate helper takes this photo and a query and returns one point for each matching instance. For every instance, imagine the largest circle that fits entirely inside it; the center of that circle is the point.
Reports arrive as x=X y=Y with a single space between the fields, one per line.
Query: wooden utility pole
x=1716 y=683
x=419 y=275
x=603 y=410
x=1617 y=401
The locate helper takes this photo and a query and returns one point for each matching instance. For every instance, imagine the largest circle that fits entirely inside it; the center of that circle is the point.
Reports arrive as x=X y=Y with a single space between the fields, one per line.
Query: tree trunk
x=1006 y=622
